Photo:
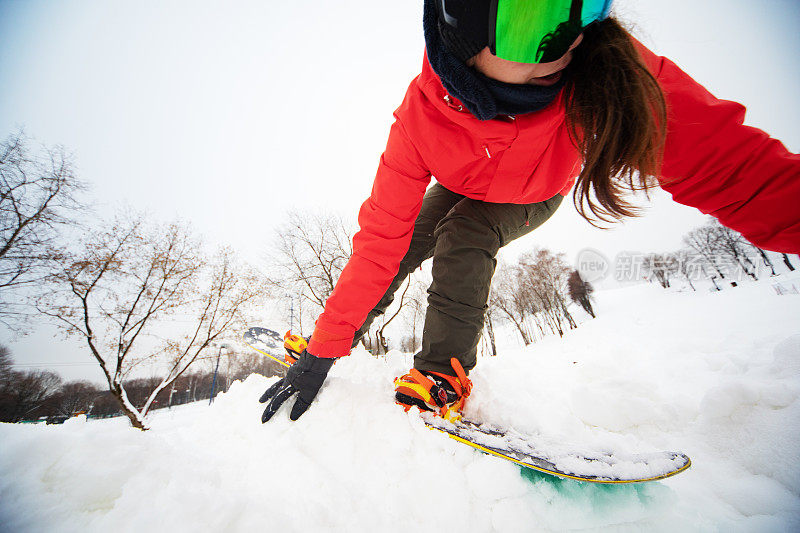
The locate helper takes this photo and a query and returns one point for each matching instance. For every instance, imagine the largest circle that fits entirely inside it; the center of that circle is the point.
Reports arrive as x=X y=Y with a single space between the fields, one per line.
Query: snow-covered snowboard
x=266 y=342
x=534 y=452
x=550 y=457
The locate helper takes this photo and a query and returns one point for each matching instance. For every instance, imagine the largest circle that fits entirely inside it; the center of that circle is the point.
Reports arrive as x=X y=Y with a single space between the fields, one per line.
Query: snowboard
x=528 y=451
x=558 y=459
x=266 y=342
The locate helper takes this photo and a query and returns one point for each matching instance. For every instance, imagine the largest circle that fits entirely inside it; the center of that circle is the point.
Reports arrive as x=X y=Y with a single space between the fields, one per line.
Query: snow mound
x=716 y=376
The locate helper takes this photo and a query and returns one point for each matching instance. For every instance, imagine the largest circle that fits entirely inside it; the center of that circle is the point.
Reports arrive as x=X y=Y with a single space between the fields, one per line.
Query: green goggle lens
x=542 y=31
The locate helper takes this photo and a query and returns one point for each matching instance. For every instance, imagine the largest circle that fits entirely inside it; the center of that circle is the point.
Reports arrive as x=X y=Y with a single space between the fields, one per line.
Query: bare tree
x=411 y=306
x=765 y=259
x=544 y=277
x=414 y=314
x=788 y=263
x=118 y=288
x=660 y=267
x=312 y=251
x=507 y=301
x=5 y=361
x=6 y=377
x=382 y=344
x=74 y=397
x=580 y=292
x=535 y=290
x=105 y=405
x=689 y=265
x=39 y=197
x=490 y=331
x=702 y=241
x=732 y=245
x=21 y=393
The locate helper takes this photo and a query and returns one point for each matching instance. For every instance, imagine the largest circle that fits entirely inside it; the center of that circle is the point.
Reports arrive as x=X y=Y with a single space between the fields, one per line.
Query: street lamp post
x=227 y=347
x=214 y=381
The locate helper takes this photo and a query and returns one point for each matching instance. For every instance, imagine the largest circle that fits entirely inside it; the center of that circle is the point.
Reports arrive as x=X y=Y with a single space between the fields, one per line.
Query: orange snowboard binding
x=433 y=391
x=294 y=345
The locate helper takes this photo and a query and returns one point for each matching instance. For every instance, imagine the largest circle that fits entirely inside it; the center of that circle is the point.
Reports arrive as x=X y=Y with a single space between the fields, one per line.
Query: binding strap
x=466 y=384
x=418 y=385
x=420 y=390
x=294 y=345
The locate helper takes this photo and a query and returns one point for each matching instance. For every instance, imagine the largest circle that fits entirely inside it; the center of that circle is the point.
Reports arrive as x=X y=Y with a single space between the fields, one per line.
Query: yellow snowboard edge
x=262 y=352
x=561 y=474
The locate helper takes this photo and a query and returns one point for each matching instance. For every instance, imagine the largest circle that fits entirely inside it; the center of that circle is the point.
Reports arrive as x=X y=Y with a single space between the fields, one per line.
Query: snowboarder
x=518 y=103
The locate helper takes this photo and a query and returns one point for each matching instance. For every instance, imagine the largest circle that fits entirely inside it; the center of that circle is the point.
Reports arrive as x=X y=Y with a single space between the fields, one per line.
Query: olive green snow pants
x=463 y=236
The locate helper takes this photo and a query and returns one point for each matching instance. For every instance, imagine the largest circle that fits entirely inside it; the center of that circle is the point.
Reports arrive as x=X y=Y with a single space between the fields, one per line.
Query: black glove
x=304 y=377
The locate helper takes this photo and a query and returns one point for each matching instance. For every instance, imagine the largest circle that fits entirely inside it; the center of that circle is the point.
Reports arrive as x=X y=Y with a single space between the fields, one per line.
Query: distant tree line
x=534 y=295
x=36 y=395
x=711 y=252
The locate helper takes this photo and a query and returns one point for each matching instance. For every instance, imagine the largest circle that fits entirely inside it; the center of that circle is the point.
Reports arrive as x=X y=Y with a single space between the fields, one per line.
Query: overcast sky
x=230 y=114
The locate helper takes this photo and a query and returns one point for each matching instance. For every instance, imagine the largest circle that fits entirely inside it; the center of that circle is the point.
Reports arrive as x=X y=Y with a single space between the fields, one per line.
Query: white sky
x=229 y=114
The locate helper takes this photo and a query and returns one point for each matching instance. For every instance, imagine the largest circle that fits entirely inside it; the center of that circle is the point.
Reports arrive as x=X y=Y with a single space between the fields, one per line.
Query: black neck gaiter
x=484 y=97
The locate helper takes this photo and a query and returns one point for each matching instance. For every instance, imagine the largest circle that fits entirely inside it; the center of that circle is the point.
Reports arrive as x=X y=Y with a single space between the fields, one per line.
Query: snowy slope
x=715 y=375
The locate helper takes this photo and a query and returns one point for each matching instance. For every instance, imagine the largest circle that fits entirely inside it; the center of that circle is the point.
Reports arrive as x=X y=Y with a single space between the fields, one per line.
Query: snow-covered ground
x=715 y=375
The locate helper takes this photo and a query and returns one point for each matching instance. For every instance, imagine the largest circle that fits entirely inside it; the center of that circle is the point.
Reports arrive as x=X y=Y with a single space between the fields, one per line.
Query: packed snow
x=564 y=459
x=713 y=375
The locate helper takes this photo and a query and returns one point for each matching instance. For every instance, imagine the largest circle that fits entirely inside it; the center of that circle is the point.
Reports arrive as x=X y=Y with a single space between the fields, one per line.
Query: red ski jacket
x=736 y=173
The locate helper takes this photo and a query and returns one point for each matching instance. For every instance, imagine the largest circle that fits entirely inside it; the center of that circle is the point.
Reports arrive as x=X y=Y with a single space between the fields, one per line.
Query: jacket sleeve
x=713 y=162
x=386 y=222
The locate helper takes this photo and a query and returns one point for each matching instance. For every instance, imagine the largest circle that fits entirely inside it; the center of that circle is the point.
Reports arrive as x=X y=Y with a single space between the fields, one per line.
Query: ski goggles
x=525 y=31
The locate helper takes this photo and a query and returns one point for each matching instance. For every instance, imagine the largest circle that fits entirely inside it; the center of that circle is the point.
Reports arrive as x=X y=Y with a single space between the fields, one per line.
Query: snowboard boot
x=440 y=393
x=294 y=346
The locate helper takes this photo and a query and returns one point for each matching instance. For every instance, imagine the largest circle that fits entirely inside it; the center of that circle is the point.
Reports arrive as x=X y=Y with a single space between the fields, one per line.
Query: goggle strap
x=491 y=30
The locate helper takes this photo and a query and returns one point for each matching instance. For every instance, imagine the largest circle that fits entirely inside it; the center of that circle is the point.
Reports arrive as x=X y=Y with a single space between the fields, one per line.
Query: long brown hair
x=617 y=118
